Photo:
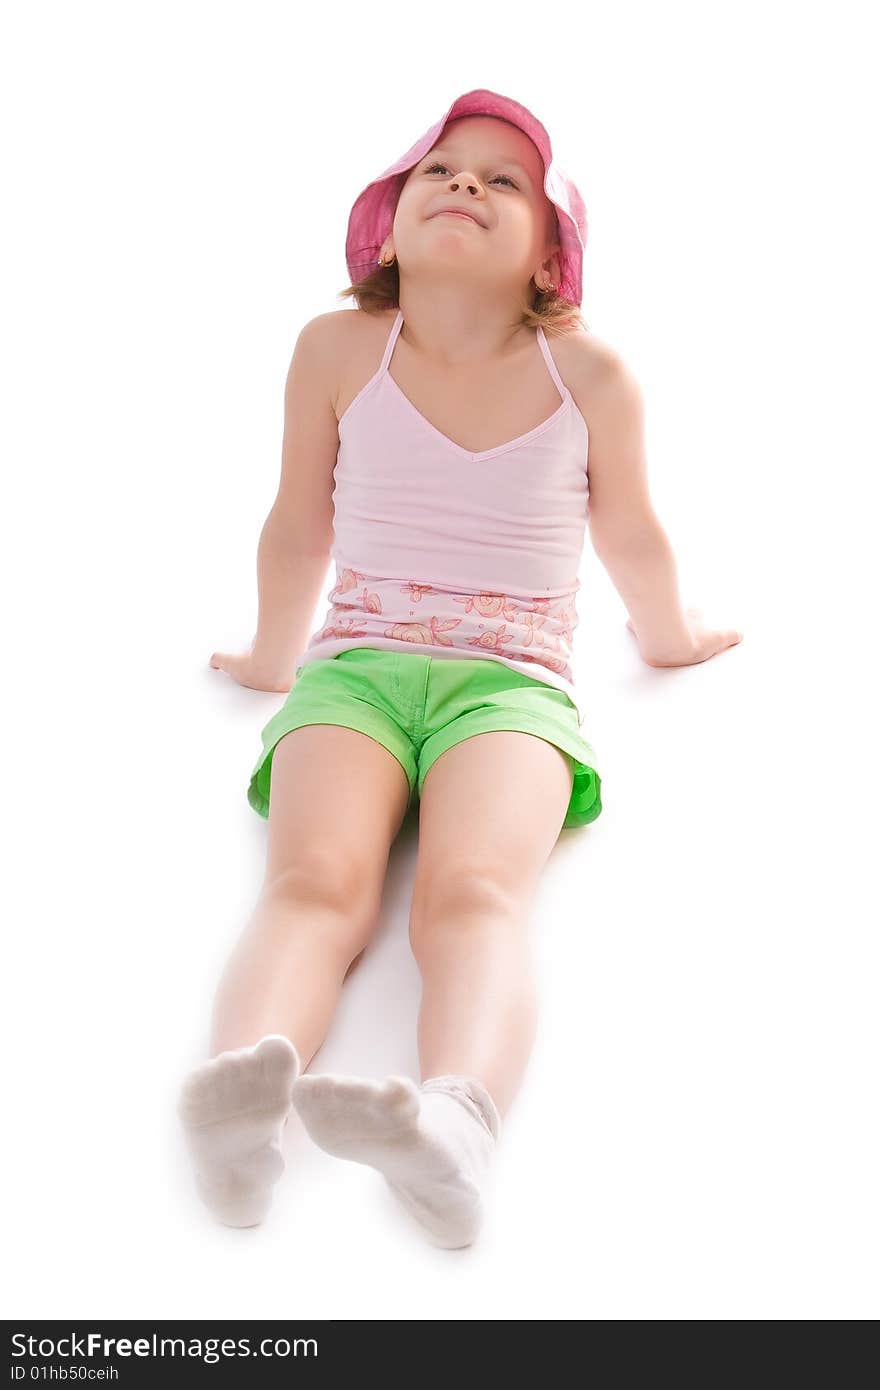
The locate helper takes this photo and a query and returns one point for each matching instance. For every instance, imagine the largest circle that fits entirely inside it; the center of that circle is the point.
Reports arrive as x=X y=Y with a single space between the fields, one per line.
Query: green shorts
x=418 y=706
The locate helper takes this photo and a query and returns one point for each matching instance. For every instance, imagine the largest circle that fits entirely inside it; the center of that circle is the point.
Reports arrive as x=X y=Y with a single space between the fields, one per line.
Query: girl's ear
x=549 y=267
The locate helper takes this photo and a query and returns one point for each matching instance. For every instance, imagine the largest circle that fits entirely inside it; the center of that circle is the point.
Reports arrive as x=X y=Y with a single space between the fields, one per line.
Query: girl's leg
x=337 y=801
x=491 y=811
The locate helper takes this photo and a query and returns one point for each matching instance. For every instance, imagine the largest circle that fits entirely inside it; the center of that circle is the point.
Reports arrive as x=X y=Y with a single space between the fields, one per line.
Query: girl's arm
x=296 y=539
x=625 y=531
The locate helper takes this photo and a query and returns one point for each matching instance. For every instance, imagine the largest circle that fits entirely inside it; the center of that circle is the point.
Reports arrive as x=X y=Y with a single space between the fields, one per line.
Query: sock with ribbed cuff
x=432 y=1143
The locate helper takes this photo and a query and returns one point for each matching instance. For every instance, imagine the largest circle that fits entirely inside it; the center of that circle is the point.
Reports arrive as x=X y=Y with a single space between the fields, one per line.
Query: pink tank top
x=450 y=553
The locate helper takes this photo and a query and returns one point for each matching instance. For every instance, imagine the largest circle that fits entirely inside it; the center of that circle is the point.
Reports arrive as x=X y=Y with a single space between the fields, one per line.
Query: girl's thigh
x=337 y=801
x=490 y=812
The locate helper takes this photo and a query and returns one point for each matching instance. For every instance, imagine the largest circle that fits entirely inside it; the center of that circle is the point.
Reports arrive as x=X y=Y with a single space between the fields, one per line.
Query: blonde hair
x=381 y=288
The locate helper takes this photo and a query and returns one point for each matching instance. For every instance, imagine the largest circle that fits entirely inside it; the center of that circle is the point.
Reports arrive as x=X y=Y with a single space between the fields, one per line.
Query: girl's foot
x=431 y=1143
x=233 y=1109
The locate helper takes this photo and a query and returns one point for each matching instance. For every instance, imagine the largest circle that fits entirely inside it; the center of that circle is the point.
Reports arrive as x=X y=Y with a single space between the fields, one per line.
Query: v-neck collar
x=475 y=456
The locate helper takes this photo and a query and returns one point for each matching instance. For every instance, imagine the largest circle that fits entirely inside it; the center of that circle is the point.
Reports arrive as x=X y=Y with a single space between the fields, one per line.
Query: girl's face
x=490 y=168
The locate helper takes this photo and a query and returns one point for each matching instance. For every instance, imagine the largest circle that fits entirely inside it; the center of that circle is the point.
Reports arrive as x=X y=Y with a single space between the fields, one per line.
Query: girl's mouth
x=447 y=212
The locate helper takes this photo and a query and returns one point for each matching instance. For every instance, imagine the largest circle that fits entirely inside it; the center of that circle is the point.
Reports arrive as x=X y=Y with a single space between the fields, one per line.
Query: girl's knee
x=462 y=897
x=316 y=873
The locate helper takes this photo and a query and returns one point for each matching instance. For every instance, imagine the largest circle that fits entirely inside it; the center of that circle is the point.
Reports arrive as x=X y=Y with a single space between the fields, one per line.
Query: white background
x=697 y=1134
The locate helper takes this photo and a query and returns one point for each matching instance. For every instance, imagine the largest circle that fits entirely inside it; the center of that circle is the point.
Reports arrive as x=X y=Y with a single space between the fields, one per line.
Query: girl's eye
x=432 y=169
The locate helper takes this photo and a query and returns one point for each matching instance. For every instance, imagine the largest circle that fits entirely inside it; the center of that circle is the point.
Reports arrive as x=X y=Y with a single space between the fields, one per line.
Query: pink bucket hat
x=372 y=215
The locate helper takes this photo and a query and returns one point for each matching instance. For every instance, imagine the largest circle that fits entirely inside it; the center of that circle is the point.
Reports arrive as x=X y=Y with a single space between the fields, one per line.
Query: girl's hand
x=252 y=673
x=705 y=642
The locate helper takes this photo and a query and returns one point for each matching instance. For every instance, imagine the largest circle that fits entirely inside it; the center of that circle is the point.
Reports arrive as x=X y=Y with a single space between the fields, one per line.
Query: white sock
x=431 y=1143
x=233 y=1109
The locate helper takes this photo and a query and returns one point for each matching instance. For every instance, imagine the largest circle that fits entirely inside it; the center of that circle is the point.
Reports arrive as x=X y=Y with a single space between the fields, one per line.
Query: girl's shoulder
x=354 y=327
x=359 y=340
x=589 y=366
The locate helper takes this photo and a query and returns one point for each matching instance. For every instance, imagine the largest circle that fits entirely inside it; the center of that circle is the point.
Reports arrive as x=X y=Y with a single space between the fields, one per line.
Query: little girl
x=436 y=448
